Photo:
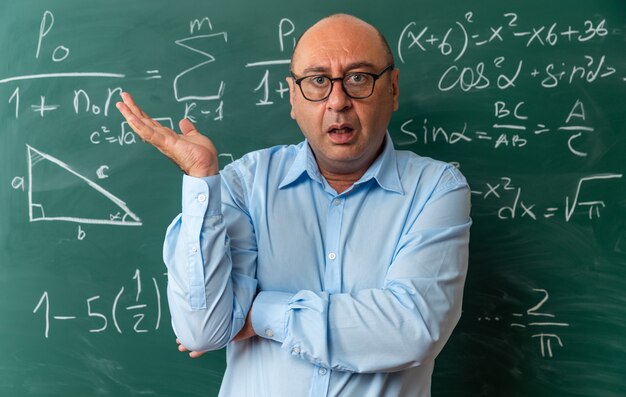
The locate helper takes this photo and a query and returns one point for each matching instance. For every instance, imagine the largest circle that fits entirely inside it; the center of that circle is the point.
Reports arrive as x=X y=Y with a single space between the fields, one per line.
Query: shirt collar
x=384 y=170
x=303 y=162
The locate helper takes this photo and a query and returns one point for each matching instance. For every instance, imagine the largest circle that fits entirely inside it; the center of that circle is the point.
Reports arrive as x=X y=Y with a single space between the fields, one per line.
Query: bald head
x=341 y=25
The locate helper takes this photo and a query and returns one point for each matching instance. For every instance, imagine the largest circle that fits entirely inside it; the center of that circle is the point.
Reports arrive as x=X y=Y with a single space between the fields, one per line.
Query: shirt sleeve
x=208 y=296
x=401 y=325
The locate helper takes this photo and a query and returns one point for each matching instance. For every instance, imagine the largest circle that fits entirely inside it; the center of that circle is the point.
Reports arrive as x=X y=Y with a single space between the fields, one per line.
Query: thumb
x=186 y=126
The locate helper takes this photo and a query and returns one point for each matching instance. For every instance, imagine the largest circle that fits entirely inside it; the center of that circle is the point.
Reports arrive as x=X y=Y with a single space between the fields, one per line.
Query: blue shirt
x=352 y=294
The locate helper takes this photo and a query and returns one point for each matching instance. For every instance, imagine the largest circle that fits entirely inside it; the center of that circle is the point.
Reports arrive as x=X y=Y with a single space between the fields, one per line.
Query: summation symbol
x=198 y=40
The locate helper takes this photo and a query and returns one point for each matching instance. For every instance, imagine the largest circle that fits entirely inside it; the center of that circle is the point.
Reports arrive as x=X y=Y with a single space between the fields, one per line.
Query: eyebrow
x=321 y=69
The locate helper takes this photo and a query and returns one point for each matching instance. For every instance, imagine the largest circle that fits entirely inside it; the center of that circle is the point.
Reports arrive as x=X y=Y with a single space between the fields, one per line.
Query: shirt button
x=269 y=333
x=295 y=350
x=332 y=256
x=202 y=198
x=336 y=201
x=322 y=371
x=194 y=249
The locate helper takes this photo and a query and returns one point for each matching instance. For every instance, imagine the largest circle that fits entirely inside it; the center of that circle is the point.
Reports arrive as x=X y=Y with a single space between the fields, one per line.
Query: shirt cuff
x=202 y=196
x=269 y=314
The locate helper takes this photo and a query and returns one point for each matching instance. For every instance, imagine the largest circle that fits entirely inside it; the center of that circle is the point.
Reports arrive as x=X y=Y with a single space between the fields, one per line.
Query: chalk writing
x=582 y=199
x=460 y=37
x=101 y=315
x=511 y=128
x=122 y=215
x=186 y=85
x=61 y=52
x=542 y=325
x=267 y=86
x=538 y=326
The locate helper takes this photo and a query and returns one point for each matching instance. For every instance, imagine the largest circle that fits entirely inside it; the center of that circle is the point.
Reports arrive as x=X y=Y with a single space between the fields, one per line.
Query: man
x=331 y=268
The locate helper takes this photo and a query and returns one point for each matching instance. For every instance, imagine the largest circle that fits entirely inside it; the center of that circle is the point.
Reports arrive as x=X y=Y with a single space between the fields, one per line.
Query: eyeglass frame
x=332 y=80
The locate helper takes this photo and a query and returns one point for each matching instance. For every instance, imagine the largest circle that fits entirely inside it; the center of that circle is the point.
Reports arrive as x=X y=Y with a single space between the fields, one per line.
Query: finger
x=180 y=347
x=157 y=135
x=186 y=126
x=192 y=354
x=183 y=349
x=130 y=102
x=128 y=114
x=135 y=122
x=195 y=354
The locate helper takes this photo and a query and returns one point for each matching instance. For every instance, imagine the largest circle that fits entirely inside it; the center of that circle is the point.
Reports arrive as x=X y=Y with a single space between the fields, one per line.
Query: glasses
x=357 y=85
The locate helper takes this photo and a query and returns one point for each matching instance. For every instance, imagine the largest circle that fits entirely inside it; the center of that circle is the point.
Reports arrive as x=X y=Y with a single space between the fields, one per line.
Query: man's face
x=346 y=134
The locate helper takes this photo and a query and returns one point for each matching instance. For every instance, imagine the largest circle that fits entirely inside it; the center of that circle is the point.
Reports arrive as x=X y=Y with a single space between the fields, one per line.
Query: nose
x=338 y=100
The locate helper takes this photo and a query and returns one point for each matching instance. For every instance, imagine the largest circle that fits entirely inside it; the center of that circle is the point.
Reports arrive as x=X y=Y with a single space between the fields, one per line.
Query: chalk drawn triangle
x=58 y=193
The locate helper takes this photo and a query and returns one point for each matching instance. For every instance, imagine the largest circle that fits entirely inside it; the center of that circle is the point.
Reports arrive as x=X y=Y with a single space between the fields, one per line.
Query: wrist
x=203 y=172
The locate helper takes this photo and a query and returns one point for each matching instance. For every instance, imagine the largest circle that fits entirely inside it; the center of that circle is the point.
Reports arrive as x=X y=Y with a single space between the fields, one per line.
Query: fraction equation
x=136 y=307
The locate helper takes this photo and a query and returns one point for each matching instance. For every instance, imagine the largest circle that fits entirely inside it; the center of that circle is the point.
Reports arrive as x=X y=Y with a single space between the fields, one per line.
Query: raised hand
x=192 y=152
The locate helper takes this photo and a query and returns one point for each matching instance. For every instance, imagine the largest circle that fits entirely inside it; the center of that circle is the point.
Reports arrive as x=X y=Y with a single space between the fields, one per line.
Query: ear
x=395 y=88
x=292 y=93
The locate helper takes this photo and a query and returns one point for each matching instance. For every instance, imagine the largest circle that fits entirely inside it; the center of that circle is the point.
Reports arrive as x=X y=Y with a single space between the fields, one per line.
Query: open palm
x=193 y=152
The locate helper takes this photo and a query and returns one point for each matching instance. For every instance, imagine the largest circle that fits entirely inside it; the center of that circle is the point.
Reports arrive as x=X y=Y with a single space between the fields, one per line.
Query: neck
x=341 y=182
x=342 y=177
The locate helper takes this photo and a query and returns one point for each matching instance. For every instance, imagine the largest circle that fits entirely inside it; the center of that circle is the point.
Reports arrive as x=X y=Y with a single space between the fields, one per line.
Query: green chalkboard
x=527 y=98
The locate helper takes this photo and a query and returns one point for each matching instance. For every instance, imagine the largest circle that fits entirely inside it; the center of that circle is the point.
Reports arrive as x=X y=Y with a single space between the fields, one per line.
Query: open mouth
x=341 y=133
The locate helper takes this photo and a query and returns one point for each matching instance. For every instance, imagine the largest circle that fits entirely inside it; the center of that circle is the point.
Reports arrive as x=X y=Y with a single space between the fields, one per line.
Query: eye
x=318 y=81
x=357 y=79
